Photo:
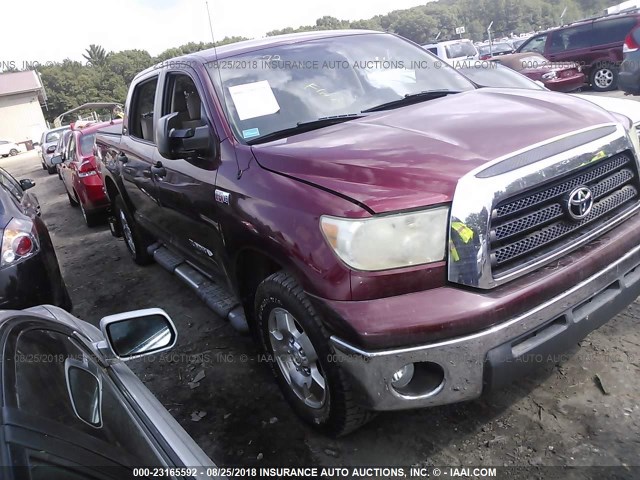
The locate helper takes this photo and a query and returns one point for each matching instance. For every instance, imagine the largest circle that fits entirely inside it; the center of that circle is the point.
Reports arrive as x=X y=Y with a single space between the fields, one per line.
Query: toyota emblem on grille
x=579 y=203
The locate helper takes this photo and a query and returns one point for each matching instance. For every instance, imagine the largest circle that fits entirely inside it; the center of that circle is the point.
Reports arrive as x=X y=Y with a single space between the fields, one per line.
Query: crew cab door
x=138 y=152
x=186 y=187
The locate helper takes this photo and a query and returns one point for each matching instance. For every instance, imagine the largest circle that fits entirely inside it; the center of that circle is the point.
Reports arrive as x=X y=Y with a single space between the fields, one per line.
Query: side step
x=216 y=297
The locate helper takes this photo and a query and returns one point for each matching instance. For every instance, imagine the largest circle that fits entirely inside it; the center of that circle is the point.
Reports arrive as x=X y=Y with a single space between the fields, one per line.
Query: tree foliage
x=106 y=76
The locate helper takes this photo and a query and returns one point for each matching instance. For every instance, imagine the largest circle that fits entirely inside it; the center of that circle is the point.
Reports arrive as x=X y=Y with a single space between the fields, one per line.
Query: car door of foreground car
x=64 y=415
x=186 y=187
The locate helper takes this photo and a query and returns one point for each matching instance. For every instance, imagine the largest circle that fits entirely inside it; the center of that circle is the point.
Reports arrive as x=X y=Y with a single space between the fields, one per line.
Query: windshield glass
x=277 y=87
x=53 y=136
x=494 y=75
x=461 y=49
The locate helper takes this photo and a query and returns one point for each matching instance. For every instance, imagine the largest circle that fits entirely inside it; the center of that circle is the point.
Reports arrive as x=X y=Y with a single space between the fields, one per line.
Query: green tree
x=96 y=55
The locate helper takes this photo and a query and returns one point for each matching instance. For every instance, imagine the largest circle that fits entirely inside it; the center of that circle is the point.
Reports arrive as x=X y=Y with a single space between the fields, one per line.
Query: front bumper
x=496 y=355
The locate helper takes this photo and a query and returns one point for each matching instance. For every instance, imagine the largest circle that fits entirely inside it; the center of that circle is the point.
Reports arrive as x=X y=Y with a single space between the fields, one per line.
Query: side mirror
x=174 y=143
x=57 y=160
x=27 y=183
x=138 y=333
x=51 y=149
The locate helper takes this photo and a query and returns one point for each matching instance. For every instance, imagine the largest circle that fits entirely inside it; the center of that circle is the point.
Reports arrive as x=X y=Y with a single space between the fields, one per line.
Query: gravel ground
x=561 y=417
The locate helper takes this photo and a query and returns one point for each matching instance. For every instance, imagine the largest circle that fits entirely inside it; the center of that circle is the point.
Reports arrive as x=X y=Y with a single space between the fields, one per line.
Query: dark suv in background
x=595 y=43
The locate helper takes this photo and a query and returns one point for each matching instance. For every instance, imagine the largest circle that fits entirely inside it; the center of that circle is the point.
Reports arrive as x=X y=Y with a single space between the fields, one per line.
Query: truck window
x=182 y=97
x=141 y=114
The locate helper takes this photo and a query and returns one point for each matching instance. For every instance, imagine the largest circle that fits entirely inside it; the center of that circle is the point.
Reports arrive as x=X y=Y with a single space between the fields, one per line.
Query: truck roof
x=232 y=49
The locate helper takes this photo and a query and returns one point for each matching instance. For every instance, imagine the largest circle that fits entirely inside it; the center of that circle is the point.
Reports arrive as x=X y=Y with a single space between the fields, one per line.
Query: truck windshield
x=277 y=88
x=460 y=49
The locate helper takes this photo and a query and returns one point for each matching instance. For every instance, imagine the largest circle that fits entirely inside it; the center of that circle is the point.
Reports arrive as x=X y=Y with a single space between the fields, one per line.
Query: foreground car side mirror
x=27 y=183
x=142 y=332
x=51 y=149
x=57 y=160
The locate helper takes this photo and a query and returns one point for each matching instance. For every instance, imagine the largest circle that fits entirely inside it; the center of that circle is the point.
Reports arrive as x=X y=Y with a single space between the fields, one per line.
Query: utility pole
x=489 y=34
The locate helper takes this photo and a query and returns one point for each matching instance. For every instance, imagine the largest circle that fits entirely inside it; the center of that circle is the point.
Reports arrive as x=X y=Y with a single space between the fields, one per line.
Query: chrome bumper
x=571 y=316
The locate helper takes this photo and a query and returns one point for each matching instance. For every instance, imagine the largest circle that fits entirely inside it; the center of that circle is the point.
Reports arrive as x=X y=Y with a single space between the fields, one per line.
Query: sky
x=48 y=31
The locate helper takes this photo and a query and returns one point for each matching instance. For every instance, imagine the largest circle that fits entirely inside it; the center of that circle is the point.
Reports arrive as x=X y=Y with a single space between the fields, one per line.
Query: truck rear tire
x=297 y=344
x=134 y=239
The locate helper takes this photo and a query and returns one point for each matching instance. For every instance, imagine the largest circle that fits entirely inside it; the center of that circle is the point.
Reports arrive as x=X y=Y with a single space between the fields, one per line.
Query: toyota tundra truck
x=393 y=236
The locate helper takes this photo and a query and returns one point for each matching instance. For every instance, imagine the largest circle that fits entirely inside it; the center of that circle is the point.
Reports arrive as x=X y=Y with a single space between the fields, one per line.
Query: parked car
x=453 y=51
x=486 y=52
x=48 y=144
x=629 y=79
x=519 y=41
x=79 y=173
x=8 y=148
x=559 y=77
x=499 y=76
x=596 y=44
x=72 y=409
x=61 y=148
x=29 y=271
x=391 y=248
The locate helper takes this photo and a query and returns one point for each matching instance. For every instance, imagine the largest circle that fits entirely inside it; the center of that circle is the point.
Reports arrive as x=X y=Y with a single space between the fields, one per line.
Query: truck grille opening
x=535 y=224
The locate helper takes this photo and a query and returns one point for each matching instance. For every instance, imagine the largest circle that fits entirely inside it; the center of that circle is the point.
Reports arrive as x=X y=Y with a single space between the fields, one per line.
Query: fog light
x=403 y=376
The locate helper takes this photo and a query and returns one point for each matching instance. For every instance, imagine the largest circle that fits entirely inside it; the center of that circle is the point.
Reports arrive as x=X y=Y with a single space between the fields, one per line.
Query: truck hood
x=414 y=156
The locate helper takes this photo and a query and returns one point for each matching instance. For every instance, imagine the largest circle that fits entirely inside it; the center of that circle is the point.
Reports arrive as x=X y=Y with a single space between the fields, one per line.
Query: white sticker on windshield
x=254 y=100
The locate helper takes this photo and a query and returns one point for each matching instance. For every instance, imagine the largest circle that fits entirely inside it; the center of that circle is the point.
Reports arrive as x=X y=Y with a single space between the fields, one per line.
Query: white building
x=21 y=97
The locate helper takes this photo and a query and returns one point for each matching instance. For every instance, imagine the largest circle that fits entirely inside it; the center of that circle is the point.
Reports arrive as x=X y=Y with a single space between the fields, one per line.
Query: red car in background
x=556 y=76
x=79 y=172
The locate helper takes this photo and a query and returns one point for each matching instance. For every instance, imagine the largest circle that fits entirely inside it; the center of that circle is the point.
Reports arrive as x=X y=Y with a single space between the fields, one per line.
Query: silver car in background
x=48 y=144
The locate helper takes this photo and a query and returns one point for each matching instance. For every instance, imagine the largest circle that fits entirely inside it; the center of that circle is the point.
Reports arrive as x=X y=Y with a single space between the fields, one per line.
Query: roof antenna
x=217 y=64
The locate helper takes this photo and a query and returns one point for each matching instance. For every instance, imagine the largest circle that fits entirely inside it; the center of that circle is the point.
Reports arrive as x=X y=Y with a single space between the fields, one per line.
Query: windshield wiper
x=410 y=99
x=303 y=127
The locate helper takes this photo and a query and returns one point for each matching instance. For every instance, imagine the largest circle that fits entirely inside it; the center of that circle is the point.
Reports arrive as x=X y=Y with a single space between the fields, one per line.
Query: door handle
x=158 y=170
x=122 y=158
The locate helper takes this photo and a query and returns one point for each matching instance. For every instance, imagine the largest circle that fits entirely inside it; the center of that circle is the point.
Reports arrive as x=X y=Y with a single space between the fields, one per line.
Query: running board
x=215 y=296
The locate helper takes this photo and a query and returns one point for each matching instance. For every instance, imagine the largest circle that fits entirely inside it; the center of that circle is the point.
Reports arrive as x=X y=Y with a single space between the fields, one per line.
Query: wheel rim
x=603 y=78
x=297 y=358
x=126 y=231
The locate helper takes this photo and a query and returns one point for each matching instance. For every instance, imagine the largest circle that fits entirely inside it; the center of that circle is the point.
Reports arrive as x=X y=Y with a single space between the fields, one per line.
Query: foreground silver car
x=72 y=409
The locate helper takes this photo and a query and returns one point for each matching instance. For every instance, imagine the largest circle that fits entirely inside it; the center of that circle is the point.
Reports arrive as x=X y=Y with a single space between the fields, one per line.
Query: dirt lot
x=562 y=417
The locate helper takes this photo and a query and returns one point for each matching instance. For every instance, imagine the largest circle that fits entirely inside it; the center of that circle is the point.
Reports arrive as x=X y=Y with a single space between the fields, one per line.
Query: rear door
x=138 y=152
x=186 y=187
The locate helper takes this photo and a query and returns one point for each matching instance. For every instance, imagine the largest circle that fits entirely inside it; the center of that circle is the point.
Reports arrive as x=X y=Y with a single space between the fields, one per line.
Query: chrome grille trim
x=476 y=199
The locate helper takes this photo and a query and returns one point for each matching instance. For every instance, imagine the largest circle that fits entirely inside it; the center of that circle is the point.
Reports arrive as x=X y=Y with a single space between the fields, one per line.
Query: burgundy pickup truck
x=394 y=236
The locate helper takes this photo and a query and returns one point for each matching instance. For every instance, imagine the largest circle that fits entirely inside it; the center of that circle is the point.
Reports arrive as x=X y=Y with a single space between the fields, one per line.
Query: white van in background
x=454 y=50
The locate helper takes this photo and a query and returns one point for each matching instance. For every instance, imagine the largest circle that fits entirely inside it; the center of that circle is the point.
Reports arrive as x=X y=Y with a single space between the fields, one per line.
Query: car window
x=572 y=38
x=41 y=364
x=141 y=114
x=86 y=144
x=11 y=184
x=182 y=97
x=71 y=150
x=535 y=44
x=433 y=50
x=3 y=142
x=460 y=49
x=53 y=136
x=613 y=30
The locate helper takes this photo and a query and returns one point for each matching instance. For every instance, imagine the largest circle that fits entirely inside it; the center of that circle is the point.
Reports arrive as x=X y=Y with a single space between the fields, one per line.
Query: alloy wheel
x=297 y=358
x=603 y=78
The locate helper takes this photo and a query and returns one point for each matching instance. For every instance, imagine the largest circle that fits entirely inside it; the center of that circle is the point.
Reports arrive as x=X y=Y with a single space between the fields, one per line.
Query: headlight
x=390 y=241
x=549 y=76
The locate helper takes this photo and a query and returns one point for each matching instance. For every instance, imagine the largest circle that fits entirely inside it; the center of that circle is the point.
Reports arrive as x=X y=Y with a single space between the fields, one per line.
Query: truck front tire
x=302 y=359
x=135 y=240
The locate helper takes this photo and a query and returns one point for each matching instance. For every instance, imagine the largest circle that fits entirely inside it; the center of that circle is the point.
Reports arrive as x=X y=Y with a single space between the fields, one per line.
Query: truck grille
x=537 y=223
